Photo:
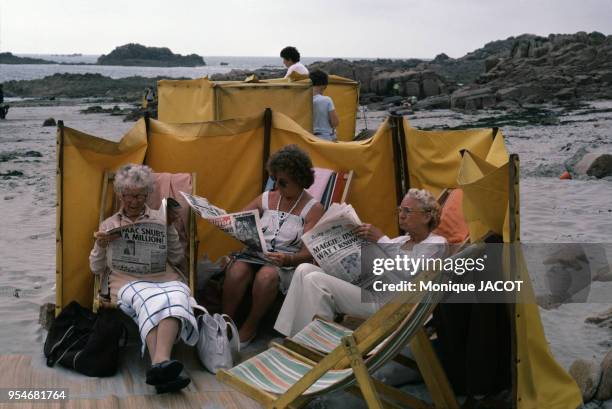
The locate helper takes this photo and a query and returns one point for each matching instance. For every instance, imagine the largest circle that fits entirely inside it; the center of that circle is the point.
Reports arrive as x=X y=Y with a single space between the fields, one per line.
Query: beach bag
x=86 y=342
x=215 y=348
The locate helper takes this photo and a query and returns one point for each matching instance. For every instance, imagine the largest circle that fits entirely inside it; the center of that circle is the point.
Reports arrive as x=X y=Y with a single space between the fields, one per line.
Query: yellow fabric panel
x=485 y=194
x=85 y=158
x=346 y=101
x=227 y=159
x=434 y=158
x=372 y=192
x=497 y=155
x=185 y=101
x=235 y=101
x=541 y=382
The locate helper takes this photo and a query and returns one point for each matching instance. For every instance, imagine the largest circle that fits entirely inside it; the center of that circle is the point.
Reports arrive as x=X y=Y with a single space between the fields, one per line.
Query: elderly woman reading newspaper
x=314 y=292
x=286 y=213
x=158 y=302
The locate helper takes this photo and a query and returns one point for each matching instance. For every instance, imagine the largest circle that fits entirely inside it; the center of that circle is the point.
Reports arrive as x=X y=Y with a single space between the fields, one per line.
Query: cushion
x=452 y=224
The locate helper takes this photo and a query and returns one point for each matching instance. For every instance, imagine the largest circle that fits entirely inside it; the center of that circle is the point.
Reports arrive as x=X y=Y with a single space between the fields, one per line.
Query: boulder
x=601 y=167
x=46 y=315
x=470 y=96
x=436 y=102
x=587 y=374
x=604 y=392
x=594 y=164
x=49 y=122
x=430 y=87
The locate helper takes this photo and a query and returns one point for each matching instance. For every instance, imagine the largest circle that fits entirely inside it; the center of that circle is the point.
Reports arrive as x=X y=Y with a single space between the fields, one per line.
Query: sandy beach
x=552 y=211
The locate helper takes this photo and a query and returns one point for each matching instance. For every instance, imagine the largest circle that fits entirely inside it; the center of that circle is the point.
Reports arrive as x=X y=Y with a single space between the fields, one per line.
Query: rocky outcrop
x=604 y=392
x=559 y=68
x=139 y=55
x=9 y=58
x=80 y=86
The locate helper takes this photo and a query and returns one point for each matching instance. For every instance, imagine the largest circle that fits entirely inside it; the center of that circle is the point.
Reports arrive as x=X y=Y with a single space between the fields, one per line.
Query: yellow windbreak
x=82 y=160
x=227 y=159
x=434 y=156
x=236 y=100
x=185 y=101
x=345 y=94
x=200 y=100
x=372 y=191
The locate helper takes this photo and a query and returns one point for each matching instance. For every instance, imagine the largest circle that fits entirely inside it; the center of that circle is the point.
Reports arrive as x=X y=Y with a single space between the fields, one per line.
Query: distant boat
x=223 y=63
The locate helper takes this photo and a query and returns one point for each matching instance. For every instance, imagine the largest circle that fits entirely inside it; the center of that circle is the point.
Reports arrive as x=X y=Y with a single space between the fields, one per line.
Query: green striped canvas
x=275 y=371
x=321 y=335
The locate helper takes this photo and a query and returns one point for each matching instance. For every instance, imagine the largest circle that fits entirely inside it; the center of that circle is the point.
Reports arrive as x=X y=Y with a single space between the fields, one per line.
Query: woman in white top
x=314 y=292
x=286 y=213
x=291 y=60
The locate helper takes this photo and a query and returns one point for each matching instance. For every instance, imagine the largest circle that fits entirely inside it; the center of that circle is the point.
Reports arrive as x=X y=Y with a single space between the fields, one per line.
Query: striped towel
x=321 y=335
x=275 y=371
x=150 y=302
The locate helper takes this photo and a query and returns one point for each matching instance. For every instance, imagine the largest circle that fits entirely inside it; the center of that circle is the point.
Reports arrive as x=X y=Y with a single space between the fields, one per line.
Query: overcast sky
x=318 y=28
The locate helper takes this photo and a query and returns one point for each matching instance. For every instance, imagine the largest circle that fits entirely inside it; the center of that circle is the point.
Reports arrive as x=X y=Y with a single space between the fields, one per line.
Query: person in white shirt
x=324 y=117
x=291 y=60
x=314 y=292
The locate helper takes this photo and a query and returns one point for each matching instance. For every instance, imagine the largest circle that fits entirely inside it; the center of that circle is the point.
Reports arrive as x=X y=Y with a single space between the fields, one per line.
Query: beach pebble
x=586 y=373
x=49 y=122
x=605 y=387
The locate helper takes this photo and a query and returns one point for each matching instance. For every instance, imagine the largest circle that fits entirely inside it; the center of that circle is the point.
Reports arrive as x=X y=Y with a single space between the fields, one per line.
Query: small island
x=139 y=55
x=10 y=58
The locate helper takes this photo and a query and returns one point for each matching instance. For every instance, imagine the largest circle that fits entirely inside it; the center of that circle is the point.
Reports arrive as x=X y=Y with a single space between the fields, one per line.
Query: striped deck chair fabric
x=275 y=371
x=321 y=335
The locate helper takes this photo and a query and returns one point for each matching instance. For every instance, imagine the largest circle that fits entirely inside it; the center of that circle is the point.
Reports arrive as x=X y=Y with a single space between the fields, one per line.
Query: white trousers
x=313 y=292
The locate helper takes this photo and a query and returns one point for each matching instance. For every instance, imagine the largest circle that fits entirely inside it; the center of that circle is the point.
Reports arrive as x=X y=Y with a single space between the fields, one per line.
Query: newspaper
x=333 y=244
x=141 y=247
x=243 y=226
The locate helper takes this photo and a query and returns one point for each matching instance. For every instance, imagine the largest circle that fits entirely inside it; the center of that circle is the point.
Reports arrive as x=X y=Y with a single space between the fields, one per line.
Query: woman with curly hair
x=286 y=213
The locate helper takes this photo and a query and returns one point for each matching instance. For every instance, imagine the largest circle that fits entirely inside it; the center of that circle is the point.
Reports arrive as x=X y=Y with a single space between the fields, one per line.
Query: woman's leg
x=167 y=331
x=237 y=278
x=313 y=292
x=265 y=290
x=152 y=343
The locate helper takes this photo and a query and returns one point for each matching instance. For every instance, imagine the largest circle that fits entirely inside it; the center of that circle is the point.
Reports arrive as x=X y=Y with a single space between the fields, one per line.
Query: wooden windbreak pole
x=59 y=231
x=266 y=146
x=147 y=119
x=397 y=160
x=404 y=154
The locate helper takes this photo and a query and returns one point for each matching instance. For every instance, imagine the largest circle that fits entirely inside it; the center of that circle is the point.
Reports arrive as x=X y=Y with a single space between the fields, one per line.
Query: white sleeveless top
x=283 y=231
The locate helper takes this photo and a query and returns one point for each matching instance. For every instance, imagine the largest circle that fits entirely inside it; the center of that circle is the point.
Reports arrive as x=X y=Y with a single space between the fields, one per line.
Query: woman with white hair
x=314 y=292
x=159 y=303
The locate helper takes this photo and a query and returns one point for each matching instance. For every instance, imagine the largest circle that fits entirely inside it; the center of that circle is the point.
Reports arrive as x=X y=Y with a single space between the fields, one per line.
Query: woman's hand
x=368 y=232
x=279 y=259
x=103 y=238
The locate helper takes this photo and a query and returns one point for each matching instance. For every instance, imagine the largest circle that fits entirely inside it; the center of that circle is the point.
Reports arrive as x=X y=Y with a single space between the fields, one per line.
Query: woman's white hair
x=428 y=204
x=133 y=176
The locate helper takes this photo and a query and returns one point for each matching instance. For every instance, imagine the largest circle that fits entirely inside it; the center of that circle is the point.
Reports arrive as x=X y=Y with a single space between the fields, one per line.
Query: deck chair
x=186 y=229
x=329 y=187
x=280 y=377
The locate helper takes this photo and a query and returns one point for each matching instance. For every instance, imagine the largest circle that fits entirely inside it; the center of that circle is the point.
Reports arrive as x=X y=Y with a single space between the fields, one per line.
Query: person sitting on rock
x=291 y=60
x=324 y=117
x=3 y=107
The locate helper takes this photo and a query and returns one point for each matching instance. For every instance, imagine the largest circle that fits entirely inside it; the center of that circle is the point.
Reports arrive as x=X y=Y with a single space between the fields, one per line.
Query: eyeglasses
x=280 y=182
x=130 y=196
x=407 y=210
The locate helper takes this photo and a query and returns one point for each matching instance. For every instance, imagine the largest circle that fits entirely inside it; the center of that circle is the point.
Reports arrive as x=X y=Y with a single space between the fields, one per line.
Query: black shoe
x=164 y=372
x=174 y=385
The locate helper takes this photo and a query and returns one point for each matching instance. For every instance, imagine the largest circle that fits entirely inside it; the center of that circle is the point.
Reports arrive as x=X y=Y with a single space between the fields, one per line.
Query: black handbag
x=86 y=342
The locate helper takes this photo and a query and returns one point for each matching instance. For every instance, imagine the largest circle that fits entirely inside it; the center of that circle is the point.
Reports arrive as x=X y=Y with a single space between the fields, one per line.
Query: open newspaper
x=141 y=247
x=333 y=244
x=243 y=226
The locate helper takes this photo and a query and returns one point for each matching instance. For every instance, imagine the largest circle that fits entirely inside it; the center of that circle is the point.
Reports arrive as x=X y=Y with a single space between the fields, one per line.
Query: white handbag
x=215 y=349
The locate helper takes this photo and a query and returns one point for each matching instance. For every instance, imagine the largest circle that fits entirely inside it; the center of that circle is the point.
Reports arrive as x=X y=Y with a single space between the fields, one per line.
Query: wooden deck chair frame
x=396 y=324
x=192 y=237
